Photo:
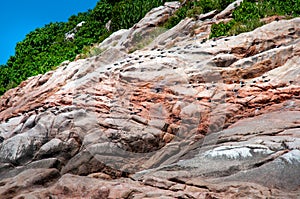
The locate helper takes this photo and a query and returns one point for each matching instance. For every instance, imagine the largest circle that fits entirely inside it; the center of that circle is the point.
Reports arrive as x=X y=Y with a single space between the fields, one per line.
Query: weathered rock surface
x=181 y=118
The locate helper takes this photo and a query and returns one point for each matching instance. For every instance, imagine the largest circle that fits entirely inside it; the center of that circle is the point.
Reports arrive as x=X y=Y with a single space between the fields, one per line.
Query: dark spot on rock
x=157 y=90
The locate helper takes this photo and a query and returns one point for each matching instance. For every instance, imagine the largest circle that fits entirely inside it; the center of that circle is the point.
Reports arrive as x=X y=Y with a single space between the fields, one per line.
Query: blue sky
x=19 y=17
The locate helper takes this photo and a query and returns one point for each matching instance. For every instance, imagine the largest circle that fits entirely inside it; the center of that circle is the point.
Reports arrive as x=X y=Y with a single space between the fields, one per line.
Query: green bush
x=247 y=16
x=221 y=29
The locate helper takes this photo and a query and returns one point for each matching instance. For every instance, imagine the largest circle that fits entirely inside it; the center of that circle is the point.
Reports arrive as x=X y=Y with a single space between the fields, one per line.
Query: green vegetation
x=45 y=48
x=196 y=7
x=247 y=16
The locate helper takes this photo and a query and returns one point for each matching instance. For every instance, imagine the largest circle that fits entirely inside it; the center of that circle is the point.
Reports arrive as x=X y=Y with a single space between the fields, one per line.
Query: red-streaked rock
x=181 y=118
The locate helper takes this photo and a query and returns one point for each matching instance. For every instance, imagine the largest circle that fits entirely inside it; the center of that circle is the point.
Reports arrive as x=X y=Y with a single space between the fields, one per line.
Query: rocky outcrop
x=143 y=32
x=181 y=118
x=72 y=33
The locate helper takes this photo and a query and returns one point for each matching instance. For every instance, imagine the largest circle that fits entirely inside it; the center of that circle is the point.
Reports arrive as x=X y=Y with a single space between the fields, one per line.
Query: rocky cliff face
x=183 y=117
